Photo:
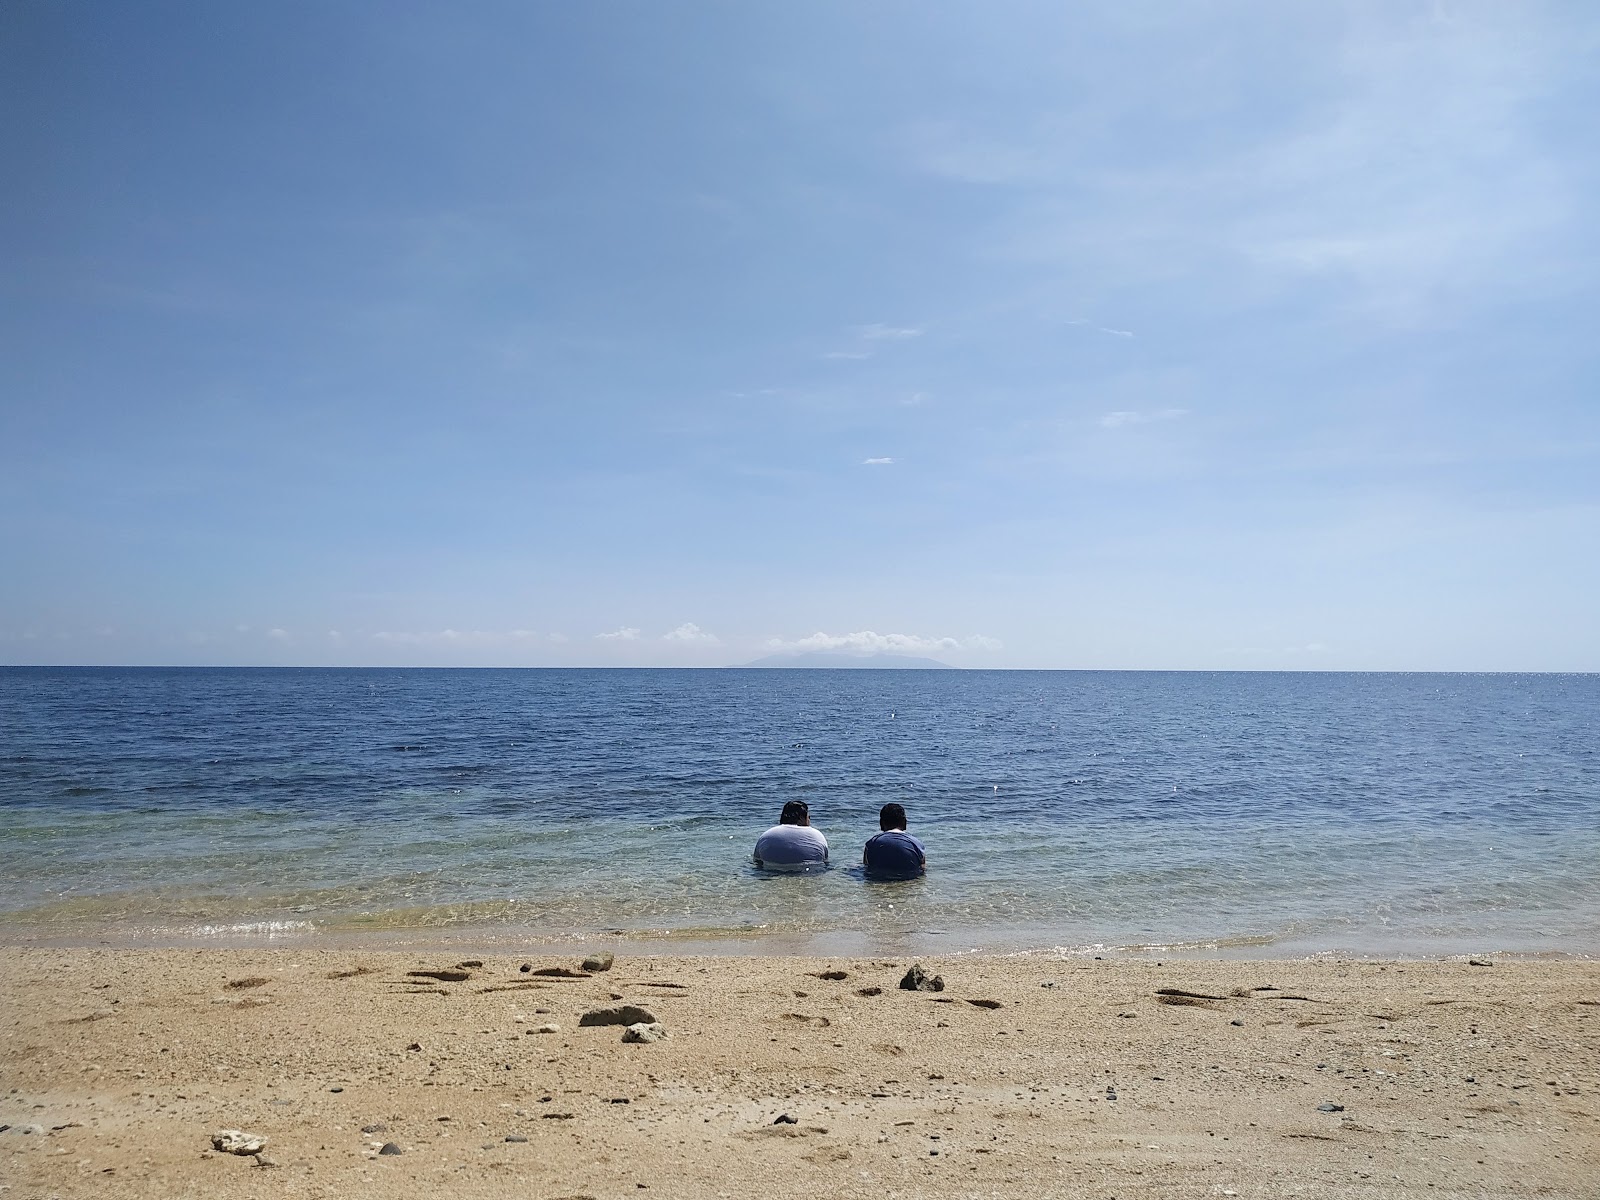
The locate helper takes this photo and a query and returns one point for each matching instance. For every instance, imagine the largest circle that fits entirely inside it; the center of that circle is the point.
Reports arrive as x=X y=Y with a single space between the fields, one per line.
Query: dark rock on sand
x=444 y=976
x=618 y=1014
x=918 y=980
x=391 y=1148
x=785 y=1119
x=600 y=960
x=1330 y=1107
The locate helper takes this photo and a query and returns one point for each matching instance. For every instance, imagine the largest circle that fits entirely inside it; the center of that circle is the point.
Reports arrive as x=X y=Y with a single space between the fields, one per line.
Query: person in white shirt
x=792 y=844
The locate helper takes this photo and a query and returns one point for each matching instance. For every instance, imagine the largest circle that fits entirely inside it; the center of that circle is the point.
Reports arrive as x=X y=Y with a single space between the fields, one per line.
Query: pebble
x=1236 y=1022
x=375 y=1127
x=515 y=1137
x=619 y=1014
x=599 y=961
x=785 y=1119
x=263 y=1161
x=1479 y=962
x=391 y=1148
x=645 y=1031
x=236 y=1141
x=548 y=1027
x=1330 y=1107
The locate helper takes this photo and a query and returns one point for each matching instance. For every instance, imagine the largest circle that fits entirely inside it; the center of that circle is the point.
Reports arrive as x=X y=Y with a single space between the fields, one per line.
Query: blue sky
x=1221 y=335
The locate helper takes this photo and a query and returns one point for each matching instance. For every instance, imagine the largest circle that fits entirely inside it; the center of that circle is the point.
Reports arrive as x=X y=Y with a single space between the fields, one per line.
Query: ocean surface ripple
x=1388 y=813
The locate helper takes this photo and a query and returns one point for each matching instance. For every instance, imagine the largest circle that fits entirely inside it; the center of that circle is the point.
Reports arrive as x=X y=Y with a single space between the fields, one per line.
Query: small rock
x=391 y=1148
x=1236 y=1022
x=645 y=1031
x=471 y=962
x=235 y=1141
x=515 y=1137
x=525 y=968
x=785 y=1119
x=1330 y=1107
x=620 y=1014
x=918 y=980
x=1479 y=962
x=375 y=1127
x=1111 y=1093
x=600 y=960
x=263 y=1161
x=869 y=991
x=548 y=1027
x=444 y=976
x=1127 y=1014
x=414 y=1046
x=27 y=1130
x=336 y=1089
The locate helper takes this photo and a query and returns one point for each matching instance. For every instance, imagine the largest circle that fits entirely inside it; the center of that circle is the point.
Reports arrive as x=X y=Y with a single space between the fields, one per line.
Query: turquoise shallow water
x=1283 y=813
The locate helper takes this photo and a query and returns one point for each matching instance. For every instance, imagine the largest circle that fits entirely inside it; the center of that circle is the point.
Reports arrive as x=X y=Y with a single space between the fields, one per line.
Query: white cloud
x=876 y=462
x=867 y=641
x=453 y=637
x=1115 y=420
x=878 y=332
x=279 y=635
x=1122 y=333
x=690 y=632
x=626 y=634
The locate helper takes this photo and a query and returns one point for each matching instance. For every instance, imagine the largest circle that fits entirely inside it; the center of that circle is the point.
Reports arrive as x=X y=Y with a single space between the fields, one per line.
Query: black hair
x=795 y=812
x=892 y=816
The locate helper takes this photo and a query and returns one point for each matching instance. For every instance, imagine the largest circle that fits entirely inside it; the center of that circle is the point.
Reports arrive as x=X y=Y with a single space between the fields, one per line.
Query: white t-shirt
x=791 y=848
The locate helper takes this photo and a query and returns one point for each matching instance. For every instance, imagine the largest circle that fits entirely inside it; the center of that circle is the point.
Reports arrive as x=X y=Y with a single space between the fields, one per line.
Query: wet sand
x=1074 y=1078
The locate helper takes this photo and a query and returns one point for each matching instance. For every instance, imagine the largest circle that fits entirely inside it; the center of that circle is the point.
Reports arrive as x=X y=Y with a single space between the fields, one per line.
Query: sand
x=1074 y=1078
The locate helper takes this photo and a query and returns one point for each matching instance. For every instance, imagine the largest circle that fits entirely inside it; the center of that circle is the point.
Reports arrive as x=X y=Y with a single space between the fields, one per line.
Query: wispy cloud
x=456 y=637
x=279 y=635
x=1122 y=333
x=626 y=634
x=878 y=332
x=877 y=462
x=691 y=633
x=867 y=641
x=1116 y=420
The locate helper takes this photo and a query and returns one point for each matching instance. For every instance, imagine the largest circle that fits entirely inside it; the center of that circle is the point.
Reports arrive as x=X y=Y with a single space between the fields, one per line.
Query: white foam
x=251 y=929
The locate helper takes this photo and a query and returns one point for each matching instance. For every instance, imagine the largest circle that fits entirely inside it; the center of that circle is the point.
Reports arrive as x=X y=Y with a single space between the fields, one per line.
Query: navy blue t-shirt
x=894 y=853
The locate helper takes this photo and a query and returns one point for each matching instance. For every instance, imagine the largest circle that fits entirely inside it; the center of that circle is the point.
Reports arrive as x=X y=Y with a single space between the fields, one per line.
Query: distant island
x=878 y=662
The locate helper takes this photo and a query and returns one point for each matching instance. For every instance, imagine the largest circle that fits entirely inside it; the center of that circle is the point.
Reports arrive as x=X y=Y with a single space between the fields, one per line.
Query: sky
x=1232 y=336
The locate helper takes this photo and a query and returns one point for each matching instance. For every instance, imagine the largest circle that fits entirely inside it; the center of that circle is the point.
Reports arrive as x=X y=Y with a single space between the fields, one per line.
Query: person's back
x=792 y=844
x=893 y=853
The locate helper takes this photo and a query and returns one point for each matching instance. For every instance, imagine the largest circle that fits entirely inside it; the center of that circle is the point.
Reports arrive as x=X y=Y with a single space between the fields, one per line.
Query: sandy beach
x=783 y=1076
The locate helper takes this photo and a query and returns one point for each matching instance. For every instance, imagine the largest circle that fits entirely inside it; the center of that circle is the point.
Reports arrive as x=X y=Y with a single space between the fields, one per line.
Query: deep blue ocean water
x=1282 y=813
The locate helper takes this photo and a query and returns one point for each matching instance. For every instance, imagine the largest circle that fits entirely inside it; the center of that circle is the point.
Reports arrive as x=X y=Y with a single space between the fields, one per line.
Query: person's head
x=795 y=812
x=892 y=816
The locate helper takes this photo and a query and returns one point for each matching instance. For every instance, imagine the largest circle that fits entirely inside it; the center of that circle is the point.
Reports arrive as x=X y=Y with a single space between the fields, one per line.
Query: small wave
x=249 y=929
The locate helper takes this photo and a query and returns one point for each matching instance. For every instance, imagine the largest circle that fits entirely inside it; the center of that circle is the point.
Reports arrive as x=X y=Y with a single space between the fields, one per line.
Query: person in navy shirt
x=893 y=853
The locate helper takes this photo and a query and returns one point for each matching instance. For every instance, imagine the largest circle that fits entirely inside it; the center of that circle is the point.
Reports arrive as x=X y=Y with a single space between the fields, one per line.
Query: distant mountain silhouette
x=832 y=659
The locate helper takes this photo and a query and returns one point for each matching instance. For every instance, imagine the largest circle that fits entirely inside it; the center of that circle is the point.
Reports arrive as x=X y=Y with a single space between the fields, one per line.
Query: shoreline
x=1125 y=1077
x=758 y=942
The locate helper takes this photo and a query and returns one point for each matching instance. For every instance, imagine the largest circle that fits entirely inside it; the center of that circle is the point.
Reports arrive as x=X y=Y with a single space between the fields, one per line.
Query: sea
x=1249 y=814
